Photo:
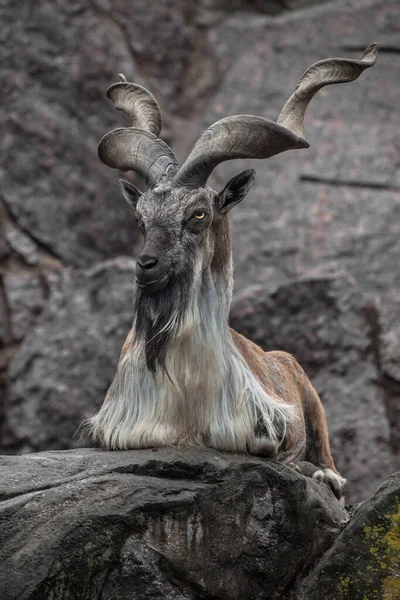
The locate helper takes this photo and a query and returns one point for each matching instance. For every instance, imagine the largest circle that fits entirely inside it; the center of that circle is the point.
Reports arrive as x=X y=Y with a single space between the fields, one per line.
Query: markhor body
x=185 y=377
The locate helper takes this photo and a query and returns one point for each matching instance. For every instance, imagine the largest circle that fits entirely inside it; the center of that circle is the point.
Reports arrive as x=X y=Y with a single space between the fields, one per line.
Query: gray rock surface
x=66 y=364
x=86 y=524
x=364 y=562
x=25 y=297
x=54 y=112
x=189 y=525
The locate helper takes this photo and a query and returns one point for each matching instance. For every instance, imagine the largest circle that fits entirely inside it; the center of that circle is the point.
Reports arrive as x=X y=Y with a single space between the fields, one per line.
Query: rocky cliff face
x=316 y=243
x=188 y=525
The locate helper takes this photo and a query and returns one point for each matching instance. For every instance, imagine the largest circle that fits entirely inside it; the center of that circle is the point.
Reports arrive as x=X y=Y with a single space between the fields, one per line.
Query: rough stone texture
x=188 y=525
x=66 y=364
x=389 y=331
x=53 y=183
x=211 y=12
x=365 y=559
x=5 y=326
x=326 y=324
x=87 y=524
x=25 y=296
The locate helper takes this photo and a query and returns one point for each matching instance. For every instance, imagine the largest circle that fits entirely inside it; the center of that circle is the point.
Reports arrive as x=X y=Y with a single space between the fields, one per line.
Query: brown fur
x=282 y=377
x=222 y=249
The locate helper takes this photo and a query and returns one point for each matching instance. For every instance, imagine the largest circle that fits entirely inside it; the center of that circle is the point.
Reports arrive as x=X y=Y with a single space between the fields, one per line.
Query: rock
x=166 y=45
x=26 y=292
x=65 y=365
x=22 y=245
x=364 y=562
x=55 y=187
x=324 y=322
x=5 y=248
x=212 y=11
x=6 y=349
x=5 y=328
x=25 y=297
x=171 y=524
x=389 y=332
x=291 y=223
x=54 y=113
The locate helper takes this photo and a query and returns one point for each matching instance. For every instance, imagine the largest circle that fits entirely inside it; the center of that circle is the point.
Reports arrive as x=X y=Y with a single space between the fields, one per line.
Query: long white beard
x=206 y=395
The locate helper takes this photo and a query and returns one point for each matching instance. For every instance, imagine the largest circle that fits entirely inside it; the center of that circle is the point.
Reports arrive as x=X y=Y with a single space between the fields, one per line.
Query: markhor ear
x=235 y=190
x=131 y=194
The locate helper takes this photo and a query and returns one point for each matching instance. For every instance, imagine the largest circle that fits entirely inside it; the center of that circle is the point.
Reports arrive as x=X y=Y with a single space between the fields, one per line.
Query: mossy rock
x=364 y=563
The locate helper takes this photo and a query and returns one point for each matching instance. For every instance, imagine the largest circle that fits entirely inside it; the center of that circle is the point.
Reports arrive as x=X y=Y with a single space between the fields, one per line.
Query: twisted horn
x=136 y=102
x=324 y=72
x=137 y=148
x=246 y=136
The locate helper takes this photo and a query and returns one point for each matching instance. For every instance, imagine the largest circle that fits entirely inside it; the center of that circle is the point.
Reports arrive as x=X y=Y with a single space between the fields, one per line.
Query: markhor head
x=178 y=213
x=178 y=226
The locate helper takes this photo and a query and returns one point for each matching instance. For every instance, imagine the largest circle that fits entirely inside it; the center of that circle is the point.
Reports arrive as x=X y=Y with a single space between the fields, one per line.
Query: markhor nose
x=147 y=262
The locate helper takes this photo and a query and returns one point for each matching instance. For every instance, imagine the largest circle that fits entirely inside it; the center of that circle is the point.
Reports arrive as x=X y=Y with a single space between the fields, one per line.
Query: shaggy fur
x=193 y=385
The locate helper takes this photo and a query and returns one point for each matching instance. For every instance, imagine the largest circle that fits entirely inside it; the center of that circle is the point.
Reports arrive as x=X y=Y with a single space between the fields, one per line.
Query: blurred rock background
x=316 y=242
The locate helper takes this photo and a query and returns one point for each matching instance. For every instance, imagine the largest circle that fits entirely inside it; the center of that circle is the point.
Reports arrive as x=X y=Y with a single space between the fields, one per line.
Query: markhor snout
x=152 y=274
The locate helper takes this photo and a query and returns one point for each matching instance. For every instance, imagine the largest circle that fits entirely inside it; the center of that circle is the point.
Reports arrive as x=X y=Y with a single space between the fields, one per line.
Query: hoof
x=334 y=480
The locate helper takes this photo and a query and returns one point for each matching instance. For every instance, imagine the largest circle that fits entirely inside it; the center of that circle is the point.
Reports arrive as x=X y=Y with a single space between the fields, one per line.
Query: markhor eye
x=199 y=215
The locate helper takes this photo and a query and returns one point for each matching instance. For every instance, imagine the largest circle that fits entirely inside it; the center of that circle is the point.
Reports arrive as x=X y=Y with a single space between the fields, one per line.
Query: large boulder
x=87 y=524
x=364 y=562
x=189 y=524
